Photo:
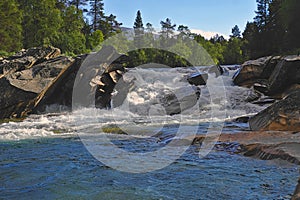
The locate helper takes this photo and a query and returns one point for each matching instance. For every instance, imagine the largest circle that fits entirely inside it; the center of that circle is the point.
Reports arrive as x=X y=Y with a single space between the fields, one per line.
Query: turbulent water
x=52 y=156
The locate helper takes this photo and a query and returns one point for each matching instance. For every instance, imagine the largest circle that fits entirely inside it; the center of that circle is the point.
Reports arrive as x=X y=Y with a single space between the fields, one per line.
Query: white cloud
x=208 y=34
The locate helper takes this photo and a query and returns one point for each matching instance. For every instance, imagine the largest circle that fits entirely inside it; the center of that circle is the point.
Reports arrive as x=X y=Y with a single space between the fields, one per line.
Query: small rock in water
x=197 y=79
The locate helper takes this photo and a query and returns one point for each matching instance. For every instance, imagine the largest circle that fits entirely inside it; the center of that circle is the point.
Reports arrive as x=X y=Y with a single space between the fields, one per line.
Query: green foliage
x=10 y=26
x=275 y=29
x=95 y=40
x=41 y=22
x=71 y=39
x=233 y=53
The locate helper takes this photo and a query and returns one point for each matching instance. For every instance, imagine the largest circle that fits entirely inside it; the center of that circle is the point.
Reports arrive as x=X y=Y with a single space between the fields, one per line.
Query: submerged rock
x=282 y=116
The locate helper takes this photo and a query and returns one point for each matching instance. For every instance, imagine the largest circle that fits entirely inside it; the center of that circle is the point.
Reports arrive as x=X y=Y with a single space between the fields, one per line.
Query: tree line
x=78 y=26
x=61 y=23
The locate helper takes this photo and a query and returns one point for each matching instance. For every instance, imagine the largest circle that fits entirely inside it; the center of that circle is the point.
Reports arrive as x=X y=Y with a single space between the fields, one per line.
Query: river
x=71 y=155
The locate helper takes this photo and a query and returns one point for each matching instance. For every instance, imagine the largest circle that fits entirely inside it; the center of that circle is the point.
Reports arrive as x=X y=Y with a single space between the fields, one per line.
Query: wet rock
x=270 y=152
x=282 y=116
x=177 y=102
x=244 y=119
x=251 y=71
x=197 y=79
x=296 y=195
x=264 y=101
x=98 y=78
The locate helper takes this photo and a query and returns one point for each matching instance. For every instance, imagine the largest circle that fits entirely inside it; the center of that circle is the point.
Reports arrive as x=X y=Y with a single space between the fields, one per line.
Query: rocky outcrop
x=25 y=75
x=282 y=116
x=272 y=152
x=35 y=78
x=270 y=75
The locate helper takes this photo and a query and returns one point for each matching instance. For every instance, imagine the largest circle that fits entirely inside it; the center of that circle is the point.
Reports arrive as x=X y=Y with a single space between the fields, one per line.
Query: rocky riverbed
x=36 y=78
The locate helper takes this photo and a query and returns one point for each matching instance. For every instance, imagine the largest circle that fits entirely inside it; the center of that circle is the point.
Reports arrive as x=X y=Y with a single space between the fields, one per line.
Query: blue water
x=61 y=168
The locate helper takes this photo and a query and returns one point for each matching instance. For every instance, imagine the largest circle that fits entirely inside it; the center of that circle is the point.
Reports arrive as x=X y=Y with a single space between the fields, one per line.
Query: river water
x=66 y=155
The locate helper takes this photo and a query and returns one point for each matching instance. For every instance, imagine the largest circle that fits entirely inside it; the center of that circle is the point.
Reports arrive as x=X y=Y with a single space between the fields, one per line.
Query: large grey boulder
x=281 y=116
x=23 y=77
x=285 y=74
x=251 y=71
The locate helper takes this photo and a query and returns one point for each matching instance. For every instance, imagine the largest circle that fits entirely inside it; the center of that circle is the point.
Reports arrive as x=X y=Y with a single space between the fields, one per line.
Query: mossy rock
x=113 y=129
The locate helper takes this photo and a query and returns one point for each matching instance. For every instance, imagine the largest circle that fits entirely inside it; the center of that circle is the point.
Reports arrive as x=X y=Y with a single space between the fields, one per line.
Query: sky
x=206 y=17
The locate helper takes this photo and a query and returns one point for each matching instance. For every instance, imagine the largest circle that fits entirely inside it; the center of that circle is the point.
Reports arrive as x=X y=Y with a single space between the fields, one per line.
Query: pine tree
x=236 y=33
x=184 y=31
x=138 y=24
x=291 y=18
x=167 y=28
x=262 y=13
x=111 y=24
x=149 y=28
x=97 y=14
x=78 y=3
x=10 y=26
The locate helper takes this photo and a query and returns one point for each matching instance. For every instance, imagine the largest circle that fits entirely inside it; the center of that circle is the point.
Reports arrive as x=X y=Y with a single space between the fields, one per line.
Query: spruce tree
x=236 y=33
x=138 y=24
x=262 y=13
x=97 y=14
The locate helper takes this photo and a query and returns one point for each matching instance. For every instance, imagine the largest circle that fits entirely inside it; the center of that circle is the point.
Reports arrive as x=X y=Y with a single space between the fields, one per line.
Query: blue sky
x=217 y=16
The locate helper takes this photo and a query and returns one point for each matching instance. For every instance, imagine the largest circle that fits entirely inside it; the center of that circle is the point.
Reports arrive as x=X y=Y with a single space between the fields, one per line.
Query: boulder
x=99 y=76
x=285 y=74
x=271 y=76
x=24 y=77
x=179 y=101
x=251 y=71
x=281 y=116
x=60 y=90
x=296 y=195
x=197 y=79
